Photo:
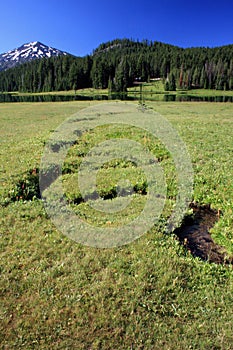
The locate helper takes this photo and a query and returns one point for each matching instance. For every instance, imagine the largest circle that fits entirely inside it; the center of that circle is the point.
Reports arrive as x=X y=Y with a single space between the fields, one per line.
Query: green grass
x=85 y=92
x=208 y=92
x=150 y=294
x=157 y=87
x=152 y=89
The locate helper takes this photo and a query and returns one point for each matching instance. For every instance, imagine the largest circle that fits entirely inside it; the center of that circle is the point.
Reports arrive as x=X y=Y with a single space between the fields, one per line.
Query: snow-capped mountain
x=27 y=52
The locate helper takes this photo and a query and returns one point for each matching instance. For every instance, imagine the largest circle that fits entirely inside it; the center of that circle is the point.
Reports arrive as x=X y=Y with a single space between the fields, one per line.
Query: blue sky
x=79 y=27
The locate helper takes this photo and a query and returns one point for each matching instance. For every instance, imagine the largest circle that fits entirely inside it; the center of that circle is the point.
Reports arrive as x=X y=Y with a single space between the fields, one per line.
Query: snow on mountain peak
x=27 y=52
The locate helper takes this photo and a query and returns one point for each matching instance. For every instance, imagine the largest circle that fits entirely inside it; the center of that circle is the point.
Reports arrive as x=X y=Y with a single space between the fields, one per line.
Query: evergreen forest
x=118 y=64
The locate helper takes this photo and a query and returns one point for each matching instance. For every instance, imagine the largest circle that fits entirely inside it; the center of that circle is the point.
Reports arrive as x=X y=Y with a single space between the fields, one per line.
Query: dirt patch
x=195 y=236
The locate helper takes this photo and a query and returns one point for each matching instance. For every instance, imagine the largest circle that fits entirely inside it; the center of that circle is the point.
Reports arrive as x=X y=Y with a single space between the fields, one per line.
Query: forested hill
x=118 y=63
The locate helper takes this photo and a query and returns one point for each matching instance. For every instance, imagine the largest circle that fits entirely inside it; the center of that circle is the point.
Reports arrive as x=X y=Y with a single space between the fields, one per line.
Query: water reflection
x=63 y=98
x=194 y=98
x=49 y=98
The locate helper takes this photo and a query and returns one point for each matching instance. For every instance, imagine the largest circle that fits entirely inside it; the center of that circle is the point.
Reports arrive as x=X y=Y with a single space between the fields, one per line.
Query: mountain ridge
x=28 y=52
x=118 y=64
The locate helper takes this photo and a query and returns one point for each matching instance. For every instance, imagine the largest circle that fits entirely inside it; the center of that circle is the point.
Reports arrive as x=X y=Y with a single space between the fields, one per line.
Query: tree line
x=119 y=63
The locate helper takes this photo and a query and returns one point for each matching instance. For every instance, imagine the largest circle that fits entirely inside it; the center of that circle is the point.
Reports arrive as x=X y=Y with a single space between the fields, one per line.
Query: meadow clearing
x=149 y=294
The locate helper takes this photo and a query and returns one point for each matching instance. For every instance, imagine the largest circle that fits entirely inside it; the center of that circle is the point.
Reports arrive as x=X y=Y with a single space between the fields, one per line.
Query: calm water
x=48 y=98
x=63 y=98
x=183 y=98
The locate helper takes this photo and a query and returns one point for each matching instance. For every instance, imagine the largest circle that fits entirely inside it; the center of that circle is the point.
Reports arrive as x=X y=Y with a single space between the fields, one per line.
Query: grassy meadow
x=150 y=294
x=150 y=90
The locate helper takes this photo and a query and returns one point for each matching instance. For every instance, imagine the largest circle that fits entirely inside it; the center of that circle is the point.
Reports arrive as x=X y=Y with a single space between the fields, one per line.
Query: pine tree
x=110 y=87
x=121 y=76
x=203 y=79
x=166 y=85
x=196 y=77
x=181 y=78
x=172 y=82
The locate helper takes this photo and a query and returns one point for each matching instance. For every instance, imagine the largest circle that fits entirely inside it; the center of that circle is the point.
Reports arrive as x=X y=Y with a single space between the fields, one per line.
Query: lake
x=129 y=97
